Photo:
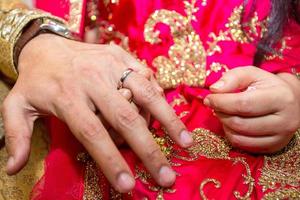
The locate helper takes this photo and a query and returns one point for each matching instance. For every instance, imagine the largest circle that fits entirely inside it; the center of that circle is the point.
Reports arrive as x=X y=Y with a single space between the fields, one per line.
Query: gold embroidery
x=187 y=57
x=291 y=194
x=115 y=195
x=75 y=18
x=282 y=170
x=237 y=31
x=19 y=187
x=204 y=183
x=186 y=61
x=209 y=145
x=92 y=190
x=183 y=114
x=179 y=100
x=249 y=180
x=144 y=176
x=206 y=144
x=279 y=53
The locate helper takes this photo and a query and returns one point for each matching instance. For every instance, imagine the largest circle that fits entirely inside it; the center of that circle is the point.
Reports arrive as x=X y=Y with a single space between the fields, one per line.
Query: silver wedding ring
x=124 y=77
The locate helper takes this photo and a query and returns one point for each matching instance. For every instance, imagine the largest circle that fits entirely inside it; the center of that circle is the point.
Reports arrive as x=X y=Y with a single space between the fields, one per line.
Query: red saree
x=206 y=38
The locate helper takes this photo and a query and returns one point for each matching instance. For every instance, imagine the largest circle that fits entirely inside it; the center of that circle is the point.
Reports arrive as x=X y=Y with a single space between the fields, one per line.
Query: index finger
x=146 y=95
x=248 y=104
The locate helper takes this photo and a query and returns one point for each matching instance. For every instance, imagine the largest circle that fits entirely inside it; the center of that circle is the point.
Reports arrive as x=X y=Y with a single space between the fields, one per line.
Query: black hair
x=281 y=12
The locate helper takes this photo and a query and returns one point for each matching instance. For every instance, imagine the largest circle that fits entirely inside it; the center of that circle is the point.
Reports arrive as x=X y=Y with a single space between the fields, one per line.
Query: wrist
x=37 y=48
x=36 y=28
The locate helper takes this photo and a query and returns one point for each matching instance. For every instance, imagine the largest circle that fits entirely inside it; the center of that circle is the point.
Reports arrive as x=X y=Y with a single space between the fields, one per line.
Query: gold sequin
x=279 y=53
x=283 y=169
x=186 y=60
x=282 y=194
x=209 y=145
x=92 y=190
x=178 y=100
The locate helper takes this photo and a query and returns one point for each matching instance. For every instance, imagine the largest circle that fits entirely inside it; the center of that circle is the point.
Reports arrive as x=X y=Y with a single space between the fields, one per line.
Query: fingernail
x=167 y=176
x=10 y=163
x=186 y=138
x=218 y=85
x=207 y=102
x=125 y=182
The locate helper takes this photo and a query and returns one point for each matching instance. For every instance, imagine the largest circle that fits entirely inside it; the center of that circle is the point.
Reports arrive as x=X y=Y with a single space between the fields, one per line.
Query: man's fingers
x=238 y=79
x=141 y=69
x=247 y=103
x=147 y=96
x=254 y=126
x=18 y=131
x=91 y=133
x=128 y=122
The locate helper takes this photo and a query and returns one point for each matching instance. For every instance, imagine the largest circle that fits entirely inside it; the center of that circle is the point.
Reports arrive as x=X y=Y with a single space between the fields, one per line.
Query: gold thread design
x=282 y=170
x=92 y=189
x=75 y=16
x=186 y=61
x=281 y=194
x=216 y=183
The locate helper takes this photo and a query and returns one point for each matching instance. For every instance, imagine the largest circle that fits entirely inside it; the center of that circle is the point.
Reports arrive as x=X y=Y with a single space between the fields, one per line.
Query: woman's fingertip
x=218 y=85
x=207 y=102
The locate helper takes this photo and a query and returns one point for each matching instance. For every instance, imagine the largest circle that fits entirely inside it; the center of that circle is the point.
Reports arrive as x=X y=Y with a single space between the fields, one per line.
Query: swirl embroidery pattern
x=187 y=58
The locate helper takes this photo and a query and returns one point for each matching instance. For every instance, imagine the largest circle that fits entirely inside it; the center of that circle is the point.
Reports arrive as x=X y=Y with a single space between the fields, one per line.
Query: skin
x=73 y=80
x=264 y=116
x=77 y=83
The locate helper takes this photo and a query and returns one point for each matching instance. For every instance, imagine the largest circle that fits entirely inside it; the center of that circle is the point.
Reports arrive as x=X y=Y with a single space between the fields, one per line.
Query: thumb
x=238 y=79
x=18 y=131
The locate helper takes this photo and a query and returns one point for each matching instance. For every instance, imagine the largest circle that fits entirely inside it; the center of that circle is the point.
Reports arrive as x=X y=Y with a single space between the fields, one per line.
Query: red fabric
x=63 y=179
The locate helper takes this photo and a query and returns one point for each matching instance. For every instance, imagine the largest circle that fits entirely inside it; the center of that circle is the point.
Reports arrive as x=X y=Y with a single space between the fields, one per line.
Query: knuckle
x=234 y=141
x=147 y=73
x=289 y=97
x=238 y=125
x=64 y=101
x=291 y=126
x=126 y=117
x=244 y=105
x=175 y=124
x=153 y=153
x=90 y=131
x=149 y=94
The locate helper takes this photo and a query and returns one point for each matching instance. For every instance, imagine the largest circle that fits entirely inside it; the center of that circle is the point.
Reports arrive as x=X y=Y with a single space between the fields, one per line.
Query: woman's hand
x=260 y=111
x=73 y=80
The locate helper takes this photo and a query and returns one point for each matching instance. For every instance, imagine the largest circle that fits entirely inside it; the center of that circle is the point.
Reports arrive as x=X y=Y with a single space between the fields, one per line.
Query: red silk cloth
x=64 y=175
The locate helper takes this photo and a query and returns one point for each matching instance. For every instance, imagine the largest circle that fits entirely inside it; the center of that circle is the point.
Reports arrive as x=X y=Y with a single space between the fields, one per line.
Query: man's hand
x=72 y=80
x=260 y=111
